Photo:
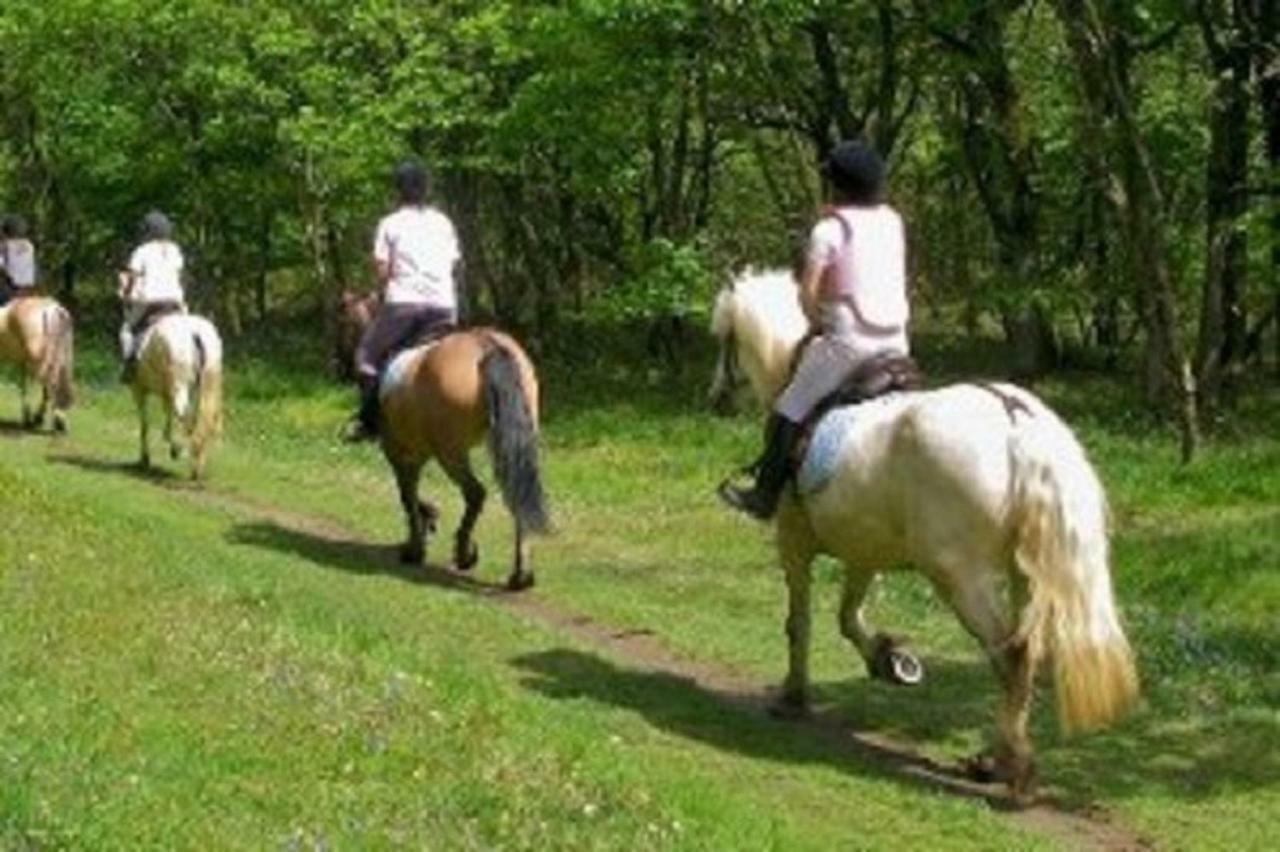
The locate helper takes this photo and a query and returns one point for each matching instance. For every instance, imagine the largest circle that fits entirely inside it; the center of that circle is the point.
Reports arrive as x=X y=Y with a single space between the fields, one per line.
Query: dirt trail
x=645 y=651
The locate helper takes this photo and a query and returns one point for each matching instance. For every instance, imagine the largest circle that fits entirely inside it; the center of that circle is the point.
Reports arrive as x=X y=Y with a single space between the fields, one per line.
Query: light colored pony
x=180 y=361
x=36 y=334
x=979 y=487
x=439 y=401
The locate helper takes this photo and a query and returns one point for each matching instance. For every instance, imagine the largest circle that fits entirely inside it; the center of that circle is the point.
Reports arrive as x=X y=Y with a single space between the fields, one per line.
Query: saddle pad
x=396 y=372
x=825 y=443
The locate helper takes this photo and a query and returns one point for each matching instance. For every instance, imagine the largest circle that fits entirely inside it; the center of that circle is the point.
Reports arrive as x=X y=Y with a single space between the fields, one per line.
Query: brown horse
x=36 y=334
x=355 y=310
x=439 y=401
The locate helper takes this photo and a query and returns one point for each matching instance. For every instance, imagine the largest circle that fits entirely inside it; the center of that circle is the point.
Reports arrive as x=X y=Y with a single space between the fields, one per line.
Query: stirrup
x=744 y=500
x=358 y=432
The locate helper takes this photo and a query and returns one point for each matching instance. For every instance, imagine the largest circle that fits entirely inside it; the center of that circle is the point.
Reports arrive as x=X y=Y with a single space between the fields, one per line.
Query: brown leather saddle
x=875 y=377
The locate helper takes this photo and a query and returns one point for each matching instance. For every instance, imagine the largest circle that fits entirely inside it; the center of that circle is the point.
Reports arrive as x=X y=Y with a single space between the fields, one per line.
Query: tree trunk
x=1222 y=321
x=1102 y=62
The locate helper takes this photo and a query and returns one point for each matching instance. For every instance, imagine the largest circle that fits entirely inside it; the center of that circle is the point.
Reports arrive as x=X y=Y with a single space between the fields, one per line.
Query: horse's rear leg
x=144 y=429
x=978 y=596
x=179 y=411
x=28 y=416
x=884 y=657
x=465 y=552
x=521 y=577
x=414 y=550
x=795 y=553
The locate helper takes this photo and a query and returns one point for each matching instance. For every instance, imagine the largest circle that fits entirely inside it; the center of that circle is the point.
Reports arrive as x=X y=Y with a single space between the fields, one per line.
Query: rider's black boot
x=772 y=471
x=364 y=426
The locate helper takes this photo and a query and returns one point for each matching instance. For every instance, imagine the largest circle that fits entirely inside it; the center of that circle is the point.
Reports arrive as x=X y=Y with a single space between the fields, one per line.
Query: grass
x=247 y=667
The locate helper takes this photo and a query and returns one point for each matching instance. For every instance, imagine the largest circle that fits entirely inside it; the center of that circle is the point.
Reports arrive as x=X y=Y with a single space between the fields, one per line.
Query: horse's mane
x=763 y=310
x=765 y=305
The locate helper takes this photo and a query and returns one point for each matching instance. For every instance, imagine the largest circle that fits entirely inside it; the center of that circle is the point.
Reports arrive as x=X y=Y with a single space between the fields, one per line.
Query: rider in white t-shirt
x=415 y=252
x=17 y=259
x=150 y=286
x=853 y=291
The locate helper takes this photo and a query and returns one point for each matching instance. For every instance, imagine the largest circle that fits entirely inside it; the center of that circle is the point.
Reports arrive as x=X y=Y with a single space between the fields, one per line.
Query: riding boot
x=364 y=426
x=772 y=471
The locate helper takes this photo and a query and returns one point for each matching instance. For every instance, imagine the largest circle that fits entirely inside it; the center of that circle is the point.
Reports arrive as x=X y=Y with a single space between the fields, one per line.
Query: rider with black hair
x=853 y=291
x=414 y=254
x=150 y=286
x=17 y=259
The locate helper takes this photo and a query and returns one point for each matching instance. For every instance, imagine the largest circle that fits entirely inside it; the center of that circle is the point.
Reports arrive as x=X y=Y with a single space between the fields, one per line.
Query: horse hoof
x=896 y=664
x=430 y=515
x=59 y=424
x=1019 y=772
x=412 y=554
x=789 y=707
x=466 y=560
x=520 y=581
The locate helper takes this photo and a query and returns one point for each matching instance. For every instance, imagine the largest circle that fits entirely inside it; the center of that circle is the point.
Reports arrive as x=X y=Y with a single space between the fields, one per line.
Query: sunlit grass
x=180 y=671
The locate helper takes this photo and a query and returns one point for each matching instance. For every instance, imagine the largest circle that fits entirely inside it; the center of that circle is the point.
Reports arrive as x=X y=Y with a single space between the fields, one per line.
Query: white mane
x=762 y=311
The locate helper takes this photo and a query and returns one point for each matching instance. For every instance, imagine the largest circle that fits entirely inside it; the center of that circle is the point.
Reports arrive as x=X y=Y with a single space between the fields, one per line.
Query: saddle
x=421 y=335
x=875 y=377
x=153 y=314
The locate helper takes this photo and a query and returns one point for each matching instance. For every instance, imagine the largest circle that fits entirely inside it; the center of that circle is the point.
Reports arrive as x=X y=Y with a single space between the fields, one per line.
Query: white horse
x=180 y=361
x=979 y=487
x=36 y=334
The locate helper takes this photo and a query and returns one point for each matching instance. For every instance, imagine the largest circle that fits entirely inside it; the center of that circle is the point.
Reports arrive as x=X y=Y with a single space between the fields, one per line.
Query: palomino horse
x=441 y=399
x=36 y=334
x=180 y=361
x=979 y=487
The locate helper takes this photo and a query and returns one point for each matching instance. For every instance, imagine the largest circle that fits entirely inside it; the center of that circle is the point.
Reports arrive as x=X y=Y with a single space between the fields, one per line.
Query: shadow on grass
x=152 y=474
x=681 y=705
x=15 y=429
x=353 y=556
x=1147 y=754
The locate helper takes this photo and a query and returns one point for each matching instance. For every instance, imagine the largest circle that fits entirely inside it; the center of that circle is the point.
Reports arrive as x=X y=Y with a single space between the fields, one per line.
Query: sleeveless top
x=862 y=252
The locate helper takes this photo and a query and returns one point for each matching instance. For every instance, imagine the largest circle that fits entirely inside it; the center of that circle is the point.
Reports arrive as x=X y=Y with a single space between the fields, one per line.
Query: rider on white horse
x=150 y=287
x=17 y=259
x=853 y=292
x=414 y=252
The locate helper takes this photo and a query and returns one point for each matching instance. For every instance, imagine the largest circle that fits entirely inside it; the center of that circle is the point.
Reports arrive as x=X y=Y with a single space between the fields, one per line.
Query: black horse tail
x=513 y=440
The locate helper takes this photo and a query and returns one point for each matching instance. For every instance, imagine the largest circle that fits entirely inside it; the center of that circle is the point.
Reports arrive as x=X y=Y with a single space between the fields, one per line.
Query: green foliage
x=667 y=280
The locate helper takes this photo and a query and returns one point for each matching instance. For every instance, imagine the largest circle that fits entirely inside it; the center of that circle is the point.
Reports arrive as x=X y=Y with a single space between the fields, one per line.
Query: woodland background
x=1096 y=180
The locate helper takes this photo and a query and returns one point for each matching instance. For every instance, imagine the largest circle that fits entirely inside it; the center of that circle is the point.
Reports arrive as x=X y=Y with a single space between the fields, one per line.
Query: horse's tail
x=513 y=439
x=207 y=387
x=58 y=365
x=1061 y=547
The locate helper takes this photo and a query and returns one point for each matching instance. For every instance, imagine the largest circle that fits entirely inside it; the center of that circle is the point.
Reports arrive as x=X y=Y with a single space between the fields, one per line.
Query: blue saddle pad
x=825 y=444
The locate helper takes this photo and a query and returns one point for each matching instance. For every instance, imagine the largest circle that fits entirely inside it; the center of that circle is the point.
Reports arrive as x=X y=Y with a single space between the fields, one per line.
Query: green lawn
x=246 y=666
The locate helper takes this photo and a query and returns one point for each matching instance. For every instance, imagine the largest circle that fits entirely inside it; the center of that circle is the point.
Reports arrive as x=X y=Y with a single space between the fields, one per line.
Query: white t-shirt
x=420 y=247
x=18 y=259
x=157 y=270
x=865 y=263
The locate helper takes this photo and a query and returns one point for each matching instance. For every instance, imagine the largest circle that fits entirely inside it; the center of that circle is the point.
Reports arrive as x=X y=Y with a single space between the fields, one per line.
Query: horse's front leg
x=408 y=475
x=884 y=656
x=796 y=549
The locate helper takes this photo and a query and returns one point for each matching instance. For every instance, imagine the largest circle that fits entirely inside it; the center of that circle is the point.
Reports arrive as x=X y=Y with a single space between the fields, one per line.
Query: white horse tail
x=1061 y=547
x=207 y=384
x=58 y=364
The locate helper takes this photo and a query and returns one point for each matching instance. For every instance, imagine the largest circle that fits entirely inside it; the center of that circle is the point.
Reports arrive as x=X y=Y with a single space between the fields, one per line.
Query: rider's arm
x=382 y=255
x=810 y=290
